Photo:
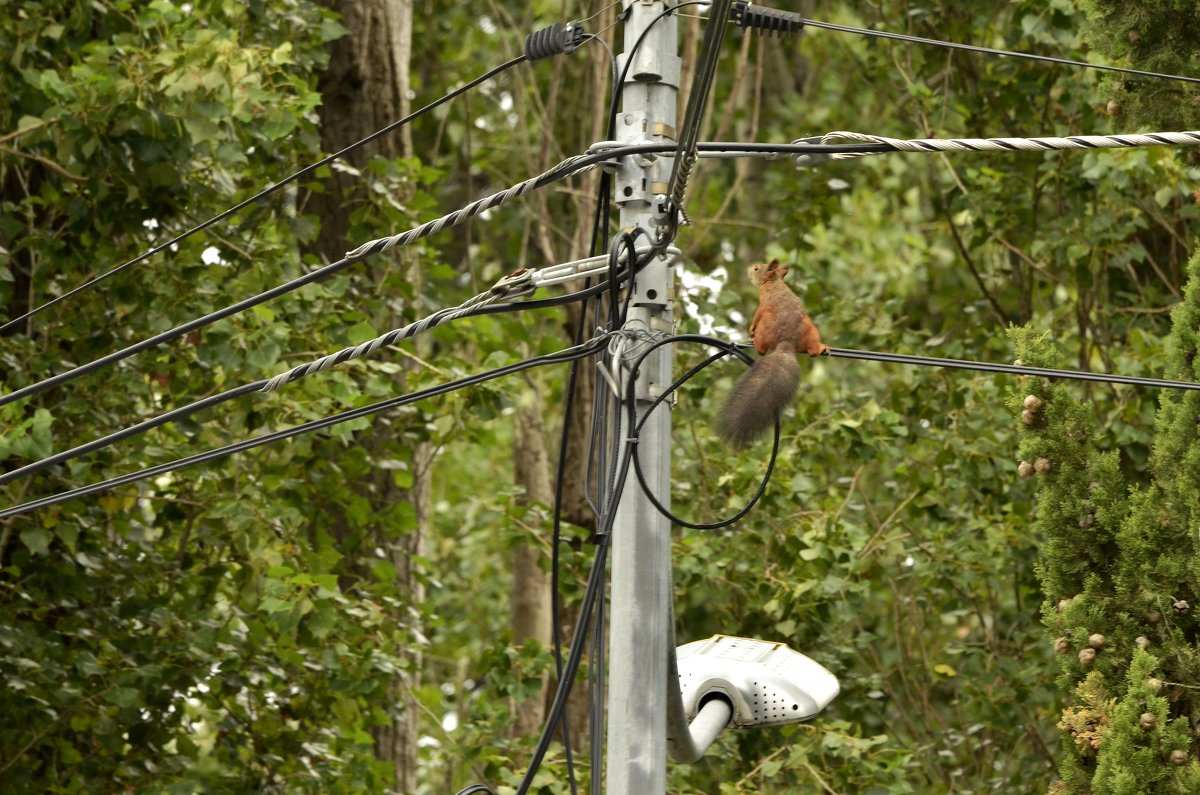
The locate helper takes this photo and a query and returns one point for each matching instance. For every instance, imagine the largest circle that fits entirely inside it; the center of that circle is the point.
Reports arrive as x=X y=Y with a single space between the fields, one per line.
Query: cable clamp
x=517 y=283
x=807 y=159
x=600 y=147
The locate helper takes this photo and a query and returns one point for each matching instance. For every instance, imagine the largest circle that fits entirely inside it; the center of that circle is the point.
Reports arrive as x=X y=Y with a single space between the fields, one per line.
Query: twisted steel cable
x=1046 y=144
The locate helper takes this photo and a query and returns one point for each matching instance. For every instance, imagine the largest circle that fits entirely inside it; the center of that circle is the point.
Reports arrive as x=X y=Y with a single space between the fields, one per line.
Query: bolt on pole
x=640 y=615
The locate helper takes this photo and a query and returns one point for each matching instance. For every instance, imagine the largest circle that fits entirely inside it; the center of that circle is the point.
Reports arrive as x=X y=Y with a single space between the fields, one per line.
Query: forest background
x=365 y=609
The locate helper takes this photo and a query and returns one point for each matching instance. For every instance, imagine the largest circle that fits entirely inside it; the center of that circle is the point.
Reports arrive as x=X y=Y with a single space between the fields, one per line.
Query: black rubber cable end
x=556 y=39
x=766 y=20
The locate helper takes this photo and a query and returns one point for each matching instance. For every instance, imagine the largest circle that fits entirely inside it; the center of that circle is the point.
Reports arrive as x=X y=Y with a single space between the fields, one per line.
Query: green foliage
x=1135 y=754
x=196 y=633
x=240 y=626
x=1118 y=572
x=1156 y=36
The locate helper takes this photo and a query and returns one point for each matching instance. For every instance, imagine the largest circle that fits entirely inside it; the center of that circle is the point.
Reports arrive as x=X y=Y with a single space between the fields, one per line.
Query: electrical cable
x=596 y=699
x=601 y=214
x=476 y=789
x=566 y=168
x=131 y=431
x=351 y=258
x=598 y=227
x=575 y=654
x=620 y=85
x=724 y=349
x=883 y=34
x=561 y=171
x=1044 y=144
x=478 y=305
x=256 y=386
x=624 y=241
x=1011 y=369
x=612 y=58
x=843 y=353
x=693 y=117
x=555 y=544
x=267 y=191
x=578 y=352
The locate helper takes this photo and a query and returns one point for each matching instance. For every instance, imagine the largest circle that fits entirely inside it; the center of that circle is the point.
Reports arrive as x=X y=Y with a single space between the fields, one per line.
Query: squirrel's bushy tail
x=759 y=397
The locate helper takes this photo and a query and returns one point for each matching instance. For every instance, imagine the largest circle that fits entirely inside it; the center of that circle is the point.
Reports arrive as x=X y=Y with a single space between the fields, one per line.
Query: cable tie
x=768 y=21
x=556 y=39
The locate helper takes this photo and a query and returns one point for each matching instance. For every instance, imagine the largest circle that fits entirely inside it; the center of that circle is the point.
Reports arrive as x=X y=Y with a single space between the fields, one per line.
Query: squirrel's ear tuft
x=773 y=264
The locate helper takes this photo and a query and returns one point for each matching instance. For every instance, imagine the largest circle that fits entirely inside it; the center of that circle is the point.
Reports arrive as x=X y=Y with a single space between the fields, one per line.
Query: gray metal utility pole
x=640 y=623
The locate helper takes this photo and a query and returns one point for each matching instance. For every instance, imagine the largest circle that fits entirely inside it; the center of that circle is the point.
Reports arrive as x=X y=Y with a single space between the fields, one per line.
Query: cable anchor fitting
x=519 y=282
x=556 y=39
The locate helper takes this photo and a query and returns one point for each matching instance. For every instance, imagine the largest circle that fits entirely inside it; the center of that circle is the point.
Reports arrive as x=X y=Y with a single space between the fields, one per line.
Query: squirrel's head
x=767 y=271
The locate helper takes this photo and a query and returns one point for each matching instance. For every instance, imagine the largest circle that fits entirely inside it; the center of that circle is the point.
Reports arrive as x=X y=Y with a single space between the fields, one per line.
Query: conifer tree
x=1151 y=35
x=1119 y=574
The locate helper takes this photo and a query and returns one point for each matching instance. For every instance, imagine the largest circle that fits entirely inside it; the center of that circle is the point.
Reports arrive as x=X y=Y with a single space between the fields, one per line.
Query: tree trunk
x=365 y=88
x=530 y=593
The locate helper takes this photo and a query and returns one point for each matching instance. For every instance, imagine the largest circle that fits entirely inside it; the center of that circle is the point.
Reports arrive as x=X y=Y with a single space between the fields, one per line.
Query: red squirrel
x=780 y=331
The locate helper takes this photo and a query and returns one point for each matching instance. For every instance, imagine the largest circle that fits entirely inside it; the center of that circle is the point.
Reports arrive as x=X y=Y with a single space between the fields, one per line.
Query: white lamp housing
x=767 y=684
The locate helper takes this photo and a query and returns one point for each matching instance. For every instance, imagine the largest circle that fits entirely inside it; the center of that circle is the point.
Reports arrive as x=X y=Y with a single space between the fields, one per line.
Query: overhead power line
x=572 y=165
x=602 y=152
x=1028 y=56
x=1124 y=141
x=578 y=352
x=479 y=305
x=1011 y=369
x=724 y=349
x=483 y=78
x=689 y=131
x=521 y=283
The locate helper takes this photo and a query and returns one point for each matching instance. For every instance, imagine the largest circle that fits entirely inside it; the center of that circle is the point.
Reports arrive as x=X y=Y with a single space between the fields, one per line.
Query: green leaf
x=37 y=539
x=360 y=333
x=276 y=123
x=273 y=604
x=126 y=697
x=327 y=582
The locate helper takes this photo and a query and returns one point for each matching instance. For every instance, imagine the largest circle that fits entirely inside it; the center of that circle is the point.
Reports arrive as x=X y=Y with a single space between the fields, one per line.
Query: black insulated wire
x=723 y=349
x=950 y=45
x=768 y=21
x=574 y=657
x=253 y=387
x=11 y=324
x=1011 y=369
x=596 y=666
x=326 y=271
x=579 y=352
x=839 y=353
x=557 y=39
x=598 y=229
x=593 y=590
x=693 y=117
